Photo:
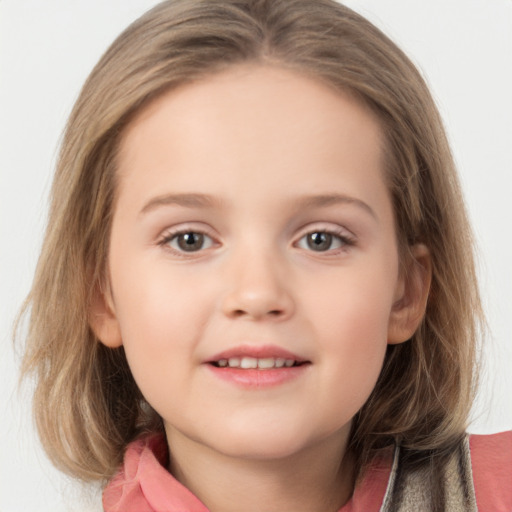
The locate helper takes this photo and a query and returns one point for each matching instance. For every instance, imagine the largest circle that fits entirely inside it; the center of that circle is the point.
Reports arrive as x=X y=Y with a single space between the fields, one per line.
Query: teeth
x=247 y=363
x=266 y=363
x=234 y=362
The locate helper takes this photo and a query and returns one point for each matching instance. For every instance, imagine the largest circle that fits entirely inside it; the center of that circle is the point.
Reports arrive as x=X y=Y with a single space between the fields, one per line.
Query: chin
x=259 y=442
x=268 y=450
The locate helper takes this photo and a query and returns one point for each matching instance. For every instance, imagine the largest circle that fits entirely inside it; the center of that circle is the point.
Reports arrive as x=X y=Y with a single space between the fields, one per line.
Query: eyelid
x=166 y=235
x=347 y=237
x=327 y=227
x=170 y=233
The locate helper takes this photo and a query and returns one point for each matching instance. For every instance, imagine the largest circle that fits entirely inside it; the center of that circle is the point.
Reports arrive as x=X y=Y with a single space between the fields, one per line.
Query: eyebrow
x=323 y=200
x=185 y=200
x=206 y=201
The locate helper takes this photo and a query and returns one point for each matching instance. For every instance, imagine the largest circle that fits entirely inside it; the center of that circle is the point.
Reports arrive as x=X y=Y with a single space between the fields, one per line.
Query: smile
x=251 y=363
x=258 y=367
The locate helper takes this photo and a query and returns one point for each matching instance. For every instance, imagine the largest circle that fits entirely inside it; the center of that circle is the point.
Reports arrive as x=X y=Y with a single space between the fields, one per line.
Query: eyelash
x=344 y=239
x=169 y=237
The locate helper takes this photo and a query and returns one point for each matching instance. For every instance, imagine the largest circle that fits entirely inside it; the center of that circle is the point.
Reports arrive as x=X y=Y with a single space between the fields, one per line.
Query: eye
x=189 y=241
x=322 y=241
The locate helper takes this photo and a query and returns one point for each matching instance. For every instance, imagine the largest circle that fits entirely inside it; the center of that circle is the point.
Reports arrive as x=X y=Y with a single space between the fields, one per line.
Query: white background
x=47 y=48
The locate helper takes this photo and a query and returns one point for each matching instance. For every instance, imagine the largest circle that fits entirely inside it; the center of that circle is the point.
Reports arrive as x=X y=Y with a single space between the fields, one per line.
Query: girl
x=257 y=289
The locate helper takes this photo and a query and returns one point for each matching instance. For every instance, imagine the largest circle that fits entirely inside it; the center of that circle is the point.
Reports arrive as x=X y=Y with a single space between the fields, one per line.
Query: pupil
x=319 y=241
x=191 y=241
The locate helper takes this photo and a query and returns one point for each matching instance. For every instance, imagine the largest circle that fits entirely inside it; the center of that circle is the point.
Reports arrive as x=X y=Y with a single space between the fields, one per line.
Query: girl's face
x=253 y=227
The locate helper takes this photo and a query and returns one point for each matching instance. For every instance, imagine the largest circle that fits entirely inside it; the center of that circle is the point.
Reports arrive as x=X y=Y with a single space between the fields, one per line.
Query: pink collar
x=143 y=484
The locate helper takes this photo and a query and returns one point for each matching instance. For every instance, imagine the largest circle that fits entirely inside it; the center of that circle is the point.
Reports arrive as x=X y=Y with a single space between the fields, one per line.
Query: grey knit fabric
x=411 y=491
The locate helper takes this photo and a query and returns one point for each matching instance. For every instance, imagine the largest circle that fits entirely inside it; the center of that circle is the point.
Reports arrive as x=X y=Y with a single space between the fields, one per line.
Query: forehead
x=248 y=123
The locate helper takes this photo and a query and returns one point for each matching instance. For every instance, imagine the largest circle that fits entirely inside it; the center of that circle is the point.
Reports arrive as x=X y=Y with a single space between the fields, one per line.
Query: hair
x=86 y=404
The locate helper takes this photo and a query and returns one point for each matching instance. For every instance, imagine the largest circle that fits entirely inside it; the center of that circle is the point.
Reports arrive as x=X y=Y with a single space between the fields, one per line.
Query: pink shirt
x=144 y=485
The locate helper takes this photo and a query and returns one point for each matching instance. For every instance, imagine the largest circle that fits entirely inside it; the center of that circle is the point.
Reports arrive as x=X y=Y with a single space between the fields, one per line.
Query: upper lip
x=257 y=352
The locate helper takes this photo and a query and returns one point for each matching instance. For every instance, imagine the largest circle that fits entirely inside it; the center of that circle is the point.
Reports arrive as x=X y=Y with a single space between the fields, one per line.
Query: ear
x=411 y=295
x=102 y=318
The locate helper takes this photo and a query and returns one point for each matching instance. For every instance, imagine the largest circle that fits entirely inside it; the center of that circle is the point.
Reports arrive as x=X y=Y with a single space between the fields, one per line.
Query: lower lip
x=258 y=379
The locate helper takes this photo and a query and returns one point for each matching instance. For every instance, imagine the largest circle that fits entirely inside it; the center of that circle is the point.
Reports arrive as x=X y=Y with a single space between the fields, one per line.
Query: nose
x=258 y=288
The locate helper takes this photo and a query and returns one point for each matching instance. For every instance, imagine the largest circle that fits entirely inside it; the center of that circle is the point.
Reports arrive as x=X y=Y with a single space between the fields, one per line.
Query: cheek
x=356 y=304
x=155 y=305
x=351 y=319
x=356 y=341
x=160 y=317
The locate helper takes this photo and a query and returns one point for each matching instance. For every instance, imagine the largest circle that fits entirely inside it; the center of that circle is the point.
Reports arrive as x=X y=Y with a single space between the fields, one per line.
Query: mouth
x=260 y=358
x=257 y=367
x=257 y=363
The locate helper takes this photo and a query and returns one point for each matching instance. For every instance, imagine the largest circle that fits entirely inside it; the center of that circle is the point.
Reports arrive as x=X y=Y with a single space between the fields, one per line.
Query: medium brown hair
x=87 y=405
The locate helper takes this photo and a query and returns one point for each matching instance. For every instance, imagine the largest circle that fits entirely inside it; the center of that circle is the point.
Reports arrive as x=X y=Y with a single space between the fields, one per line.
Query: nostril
x=275 y=305
x=241 y=312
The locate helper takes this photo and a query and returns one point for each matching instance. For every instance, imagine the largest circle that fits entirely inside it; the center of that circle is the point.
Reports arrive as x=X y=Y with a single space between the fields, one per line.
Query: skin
x=264 y=144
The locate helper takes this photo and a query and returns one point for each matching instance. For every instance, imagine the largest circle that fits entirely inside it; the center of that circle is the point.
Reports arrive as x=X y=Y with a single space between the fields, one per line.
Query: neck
x=317 y=479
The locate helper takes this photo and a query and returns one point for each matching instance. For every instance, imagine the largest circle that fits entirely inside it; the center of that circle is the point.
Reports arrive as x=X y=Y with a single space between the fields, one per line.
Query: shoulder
x=143 y=483
x=476 y=476
x=491 y=464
